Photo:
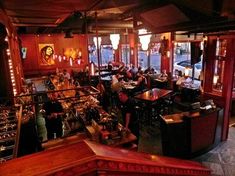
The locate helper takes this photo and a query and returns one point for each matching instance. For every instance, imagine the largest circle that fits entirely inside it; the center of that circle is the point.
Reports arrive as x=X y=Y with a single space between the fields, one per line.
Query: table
x=153 y=102
x=153 y=95
x=189 y=92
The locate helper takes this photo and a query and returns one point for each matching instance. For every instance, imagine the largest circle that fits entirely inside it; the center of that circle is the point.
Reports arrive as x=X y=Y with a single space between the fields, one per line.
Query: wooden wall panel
x=31 y=65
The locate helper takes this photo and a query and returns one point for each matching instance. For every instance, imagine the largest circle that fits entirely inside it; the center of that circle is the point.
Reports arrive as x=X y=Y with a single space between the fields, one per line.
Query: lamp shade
x=115 y=40
x=215 y=79
x=186 y=71
x=144 y=39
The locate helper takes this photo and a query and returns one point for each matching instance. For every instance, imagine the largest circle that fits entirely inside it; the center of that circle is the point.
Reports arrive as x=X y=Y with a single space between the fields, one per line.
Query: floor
x=221 y=160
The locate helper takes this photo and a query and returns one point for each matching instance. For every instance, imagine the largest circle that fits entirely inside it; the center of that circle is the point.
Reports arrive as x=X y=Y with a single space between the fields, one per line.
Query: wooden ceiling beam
x=34 y=24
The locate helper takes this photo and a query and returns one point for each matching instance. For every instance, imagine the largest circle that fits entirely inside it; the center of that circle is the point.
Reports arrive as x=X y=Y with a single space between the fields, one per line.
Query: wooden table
x=153 y=95
x=153 y=103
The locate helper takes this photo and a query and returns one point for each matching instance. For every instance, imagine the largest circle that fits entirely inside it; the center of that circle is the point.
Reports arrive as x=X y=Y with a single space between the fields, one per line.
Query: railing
x=88 y=158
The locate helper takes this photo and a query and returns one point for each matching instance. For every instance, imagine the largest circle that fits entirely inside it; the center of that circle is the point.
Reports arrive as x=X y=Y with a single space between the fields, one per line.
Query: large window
x=106 y=54
x=155 y=57
x=142 y=58
x=152 y=60
x=182 y=60
x=125 y=53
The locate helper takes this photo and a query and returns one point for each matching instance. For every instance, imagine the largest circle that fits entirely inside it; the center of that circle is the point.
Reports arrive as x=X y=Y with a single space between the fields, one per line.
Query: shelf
x=9 y=133
x=4 y=148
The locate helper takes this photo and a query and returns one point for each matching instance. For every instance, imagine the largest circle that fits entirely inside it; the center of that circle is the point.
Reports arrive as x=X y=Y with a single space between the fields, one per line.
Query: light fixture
x=144 y=39
x=71 y=61
x=115 y=40
x=95 y=41
x=186 y=72
x=92 y=69
x=215 y=79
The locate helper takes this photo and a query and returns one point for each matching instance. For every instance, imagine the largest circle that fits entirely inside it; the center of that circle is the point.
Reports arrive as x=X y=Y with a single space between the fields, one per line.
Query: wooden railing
x=88 y=158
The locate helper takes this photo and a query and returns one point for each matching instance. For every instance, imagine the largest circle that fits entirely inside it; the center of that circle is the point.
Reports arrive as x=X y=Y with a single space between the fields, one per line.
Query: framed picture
x=46 y=52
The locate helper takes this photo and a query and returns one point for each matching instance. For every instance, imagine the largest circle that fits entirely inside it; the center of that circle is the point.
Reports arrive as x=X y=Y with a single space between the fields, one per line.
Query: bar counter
x=189 y=134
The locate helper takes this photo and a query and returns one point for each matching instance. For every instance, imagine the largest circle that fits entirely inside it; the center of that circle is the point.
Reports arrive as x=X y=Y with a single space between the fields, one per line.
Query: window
x=106 y=54
x=155 y=57
x=182 y=60
x=125 y=51
x=142 y=58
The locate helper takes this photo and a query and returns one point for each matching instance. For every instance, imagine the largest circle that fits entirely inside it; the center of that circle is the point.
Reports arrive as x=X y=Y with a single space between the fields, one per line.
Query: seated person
x=66 y=74
x=127 y=75
x=181 y=78
x=53 y=116
x=116 y=85
x=163 y=75
x=133 y=71
x=130 y=122
x=141 y=82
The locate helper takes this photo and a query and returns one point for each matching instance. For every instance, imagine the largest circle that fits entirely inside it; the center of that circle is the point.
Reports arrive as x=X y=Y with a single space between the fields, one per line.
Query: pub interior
x=108 y=87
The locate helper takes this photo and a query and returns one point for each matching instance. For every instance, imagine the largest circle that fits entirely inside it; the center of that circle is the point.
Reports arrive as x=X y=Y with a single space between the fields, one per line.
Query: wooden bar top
x=178 y=117
x=153 y=94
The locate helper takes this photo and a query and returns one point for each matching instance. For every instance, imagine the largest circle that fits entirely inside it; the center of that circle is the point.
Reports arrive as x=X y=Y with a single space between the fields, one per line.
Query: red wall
x=31 y=65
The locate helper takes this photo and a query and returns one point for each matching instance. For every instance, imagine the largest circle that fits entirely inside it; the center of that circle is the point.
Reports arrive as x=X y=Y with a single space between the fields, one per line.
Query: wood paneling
x=31 y=65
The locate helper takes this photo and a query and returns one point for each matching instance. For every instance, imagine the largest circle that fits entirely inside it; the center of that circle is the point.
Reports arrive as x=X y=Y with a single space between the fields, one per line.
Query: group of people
x=129 y=75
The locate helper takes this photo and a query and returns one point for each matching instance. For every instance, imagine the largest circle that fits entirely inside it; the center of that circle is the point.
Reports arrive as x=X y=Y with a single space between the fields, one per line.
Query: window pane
x=155 y=57
x=182 y=59
x=92 y=54
x=142 y=59
x=126 y=54
x=106 y=54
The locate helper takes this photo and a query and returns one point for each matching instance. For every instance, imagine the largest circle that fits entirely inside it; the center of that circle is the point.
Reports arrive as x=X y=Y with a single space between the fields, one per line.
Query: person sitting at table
x=116 y=84
x=66 y=74
x=164 y=75
x=141 y=82
x=53 y=116
x=127 y=75
x=181 y=78
x=130 y=121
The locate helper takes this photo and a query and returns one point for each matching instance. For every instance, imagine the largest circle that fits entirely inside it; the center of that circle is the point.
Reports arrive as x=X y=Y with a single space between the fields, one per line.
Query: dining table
x=153 y=102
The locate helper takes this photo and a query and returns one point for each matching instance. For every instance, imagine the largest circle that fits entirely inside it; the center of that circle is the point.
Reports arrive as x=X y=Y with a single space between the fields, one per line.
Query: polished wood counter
x=188 y=134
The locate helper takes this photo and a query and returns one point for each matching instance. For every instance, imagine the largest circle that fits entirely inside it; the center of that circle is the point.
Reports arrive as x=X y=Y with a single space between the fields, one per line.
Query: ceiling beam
x=34 y=24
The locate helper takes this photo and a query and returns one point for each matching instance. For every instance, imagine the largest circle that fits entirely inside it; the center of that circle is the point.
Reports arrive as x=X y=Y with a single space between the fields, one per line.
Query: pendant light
x=144 y=39
x=115 y=40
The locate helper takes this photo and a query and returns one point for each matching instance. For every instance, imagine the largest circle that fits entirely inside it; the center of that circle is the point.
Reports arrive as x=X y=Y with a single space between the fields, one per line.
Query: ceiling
x=119 y=16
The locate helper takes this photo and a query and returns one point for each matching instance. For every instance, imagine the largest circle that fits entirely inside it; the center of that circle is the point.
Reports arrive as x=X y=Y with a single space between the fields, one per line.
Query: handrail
x=86 y=157
x=17 y=139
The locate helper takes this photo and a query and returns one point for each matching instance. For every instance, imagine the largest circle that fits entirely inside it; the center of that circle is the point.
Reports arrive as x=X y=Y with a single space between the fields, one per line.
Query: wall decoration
x=46 y=54
x=71 y=53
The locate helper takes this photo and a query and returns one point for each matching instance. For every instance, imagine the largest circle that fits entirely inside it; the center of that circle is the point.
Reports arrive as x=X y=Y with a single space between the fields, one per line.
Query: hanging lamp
x=115 y=40
x=144 y=39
